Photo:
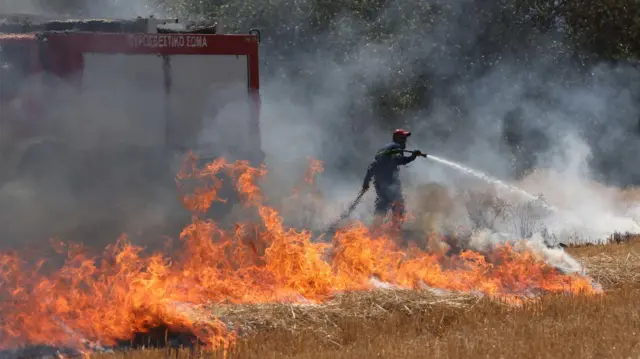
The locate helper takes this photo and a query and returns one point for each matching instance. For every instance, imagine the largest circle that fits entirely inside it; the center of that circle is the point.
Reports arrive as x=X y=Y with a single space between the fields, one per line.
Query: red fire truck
x=110 y=106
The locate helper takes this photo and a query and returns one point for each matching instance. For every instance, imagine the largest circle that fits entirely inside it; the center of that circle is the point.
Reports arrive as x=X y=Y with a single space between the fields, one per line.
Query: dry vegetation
x=409 y=324
x=406 y=324
x=614 y=265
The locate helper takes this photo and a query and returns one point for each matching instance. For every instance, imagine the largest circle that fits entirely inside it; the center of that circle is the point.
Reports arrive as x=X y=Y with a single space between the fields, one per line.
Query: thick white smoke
x=316 y=103
x=311 y=113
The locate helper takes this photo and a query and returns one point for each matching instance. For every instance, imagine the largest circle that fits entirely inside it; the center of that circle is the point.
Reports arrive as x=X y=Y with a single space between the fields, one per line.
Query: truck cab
x=112 y=106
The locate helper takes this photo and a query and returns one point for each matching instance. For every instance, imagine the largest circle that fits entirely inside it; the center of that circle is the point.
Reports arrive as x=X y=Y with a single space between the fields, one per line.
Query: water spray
x=564 y=215
x=493 y=180
x=456 y=166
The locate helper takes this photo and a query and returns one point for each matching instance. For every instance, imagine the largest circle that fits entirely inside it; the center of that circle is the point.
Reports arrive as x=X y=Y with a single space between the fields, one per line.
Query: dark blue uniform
x=384 y=171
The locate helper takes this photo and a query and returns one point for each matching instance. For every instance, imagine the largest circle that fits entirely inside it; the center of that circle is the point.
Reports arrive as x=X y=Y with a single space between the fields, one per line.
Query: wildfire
x=110 y=298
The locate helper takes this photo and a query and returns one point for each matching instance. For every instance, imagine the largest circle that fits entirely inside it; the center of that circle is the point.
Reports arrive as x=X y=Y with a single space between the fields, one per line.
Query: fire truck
x=104 y=109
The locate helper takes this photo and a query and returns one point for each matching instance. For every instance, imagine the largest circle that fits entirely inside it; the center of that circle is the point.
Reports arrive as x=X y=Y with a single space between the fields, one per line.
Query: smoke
x=106 y=179
x=320 y=96
x=123 y=9
x=484 y=241
x=96 y=9
x=575 y=124
x=25 y=7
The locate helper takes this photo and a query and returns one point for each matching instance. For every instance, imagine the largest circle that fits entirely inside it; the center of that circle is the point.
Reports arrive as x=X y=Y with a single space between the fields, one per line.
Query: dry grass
x=410 y=324
x=612 y=265
x=407 y=324
x=555 y=327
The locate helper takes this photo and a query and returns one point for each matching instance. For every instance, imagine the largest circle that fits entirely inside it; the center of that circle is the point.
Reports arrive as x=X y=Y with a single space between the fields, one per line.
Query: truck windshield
x=14 y=69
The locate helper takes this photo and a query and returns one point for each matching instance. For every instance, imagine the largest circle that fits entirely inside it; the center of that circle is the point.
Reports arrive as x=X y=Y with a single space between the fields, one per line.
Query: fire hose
x=358 y=198
x=348 y=212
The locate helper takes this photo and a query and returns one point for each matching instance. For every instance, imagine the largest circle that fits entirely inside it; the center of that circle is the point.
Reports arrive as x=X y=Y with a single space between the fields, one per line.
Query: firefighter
x=384 y=170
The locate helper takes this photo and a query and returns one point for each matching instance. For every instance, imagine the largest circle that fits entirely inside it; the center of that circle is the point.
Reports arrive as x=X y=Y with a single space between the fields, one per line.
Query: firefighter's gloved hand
x=417 y=153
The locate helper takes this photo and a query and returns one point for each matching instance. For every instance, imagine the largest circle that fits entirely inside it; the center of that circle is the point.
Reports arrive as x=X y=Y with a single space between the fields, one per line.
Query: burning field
x=262 y=289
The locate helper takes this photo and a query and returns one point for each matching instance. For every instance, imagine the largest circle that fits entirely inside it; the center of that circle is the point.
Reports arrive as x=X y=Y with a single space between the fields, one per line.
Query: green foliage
x=475 y=34
x=607 y=29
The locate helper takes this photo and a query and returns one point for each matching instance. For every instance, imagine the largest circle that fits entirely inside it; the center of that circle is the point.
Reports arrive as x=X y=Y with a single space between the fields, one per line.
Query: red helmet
x=400 y=133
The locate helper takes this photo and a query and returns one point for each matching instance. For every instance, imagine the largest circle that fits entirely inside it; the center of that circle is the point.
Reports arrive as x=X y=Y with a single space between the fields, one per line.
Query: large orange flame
x=112 y=297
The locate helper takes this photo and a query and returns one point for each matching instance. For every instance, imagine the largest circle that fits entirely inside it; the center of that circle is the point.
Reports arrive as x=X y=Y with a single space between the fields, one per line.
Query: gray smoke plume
x=107 y=146
x=321 y=96
x=320 y=99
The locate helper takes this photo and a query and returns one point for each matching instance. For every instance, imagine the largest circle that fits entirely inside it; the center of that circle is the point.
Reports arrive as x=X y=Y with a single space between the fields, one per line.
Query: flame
x=105 y=299
x=315 y=167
